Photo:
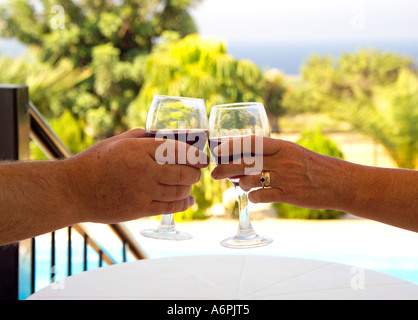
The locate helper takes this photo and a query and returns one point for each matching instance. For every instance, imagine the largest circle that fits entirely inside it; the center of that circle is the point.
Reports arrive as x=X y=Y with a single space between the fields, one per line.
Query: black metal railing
x=20 y=121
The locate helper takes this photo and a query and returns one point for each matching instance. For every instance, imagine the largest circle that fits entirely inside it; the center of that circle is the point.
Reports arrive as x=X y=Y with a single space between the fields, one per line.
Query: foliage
x=70 y=131
x=195 y=67
x=375 y=92
x=397 y=118
x=273 y=91
x=316 y=141
x=112 y=38
x=46 y=82
x=319 y=143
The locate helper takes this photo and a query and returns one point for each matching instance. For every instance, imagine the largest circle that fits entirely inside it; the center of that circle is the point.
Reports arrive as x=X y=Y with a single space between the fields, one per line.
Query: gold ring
x=265 y=178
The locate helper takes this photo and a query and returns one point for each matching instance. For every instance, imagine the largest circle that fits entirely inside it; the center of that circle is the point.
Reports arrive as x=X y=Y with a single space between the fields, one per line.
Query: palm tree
x=389 y=116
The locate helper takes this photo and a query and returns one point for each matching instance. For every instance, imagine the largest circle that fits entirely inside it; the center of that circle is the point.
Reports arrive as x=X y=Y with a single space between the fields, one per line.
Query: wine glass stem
x=245 y=228
x=167 y=223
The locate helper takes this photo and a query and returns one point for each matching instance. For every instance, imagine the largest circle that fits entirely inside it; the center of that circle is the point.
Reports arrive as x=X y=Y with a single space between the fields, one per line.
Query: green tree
x=195 y=67
x=372 y=91
x=273 y=90
x=70 y=131
x=47 y=81
x=112 y=38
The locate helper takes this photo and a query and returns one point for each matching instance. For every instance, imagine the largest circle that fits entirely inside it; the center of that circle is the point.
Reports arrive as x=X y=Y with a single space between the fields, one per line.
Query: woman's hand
x=298 y=176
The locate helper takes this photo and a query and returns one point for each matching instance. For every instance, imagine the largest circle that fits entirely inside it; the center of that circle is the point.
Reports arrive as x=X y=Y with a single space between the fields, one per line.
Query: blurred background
x=338 y=77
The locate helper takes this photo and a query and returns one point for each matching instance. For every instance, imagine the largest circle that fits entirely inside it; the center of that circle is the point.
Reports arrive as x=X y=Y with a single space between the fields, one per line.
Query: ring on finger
x=265 y=179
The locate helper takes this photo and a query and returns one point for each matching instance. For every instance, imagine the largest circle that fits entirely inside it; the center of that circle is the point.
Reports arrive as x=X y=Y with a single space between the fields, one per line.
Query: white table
x=220 y=277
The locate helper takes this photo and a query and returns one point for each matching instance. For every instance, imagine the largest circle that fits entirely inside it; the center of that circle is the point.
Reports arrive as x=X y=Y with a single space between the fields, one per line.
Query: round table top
x=226 y=277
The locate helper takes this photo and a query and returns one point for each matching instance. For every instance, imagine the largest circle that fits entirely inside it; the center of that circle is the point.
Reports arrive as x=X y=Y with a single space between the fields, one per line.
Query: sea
x=287 y=56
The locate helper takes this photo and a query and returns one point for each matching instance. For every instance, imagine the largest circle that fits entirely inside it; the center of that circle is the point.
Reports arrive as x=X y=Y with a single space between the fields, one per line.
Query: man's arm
x=33 y=200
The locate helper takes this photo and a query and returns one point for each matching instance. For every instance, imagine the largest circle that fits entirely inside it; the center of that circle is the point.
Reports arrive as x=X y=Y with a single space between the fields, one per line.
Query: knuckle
x=181 y=173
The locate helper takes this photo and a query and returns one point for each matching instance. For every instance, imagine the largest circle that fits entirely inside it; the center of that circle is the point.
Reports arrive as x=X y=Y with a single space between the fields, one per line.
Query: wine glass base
x=241 y=242
x=166 y=235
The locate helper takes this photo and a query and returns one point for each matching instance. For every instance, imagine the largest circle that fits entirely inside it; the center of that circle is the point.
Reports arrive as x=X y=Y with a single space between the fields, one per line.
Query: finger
x=249 y=182
x=171 y=193
x=266 y=195
x=224 y=171
x=251 y=144
x=168 y=151
x=247 y=166
x=162 y=207
x=177 y=174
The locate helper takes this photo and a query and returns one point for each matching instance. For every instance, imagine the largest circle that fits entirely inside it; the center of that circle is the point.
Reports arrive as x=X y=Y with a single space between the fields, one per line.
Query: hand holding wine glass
x=185 y=120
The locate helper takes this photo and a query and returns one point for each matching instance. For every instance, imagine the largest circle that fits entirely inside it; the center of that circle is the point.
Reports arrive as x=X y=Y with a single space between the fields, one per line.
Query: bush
x=316 y=141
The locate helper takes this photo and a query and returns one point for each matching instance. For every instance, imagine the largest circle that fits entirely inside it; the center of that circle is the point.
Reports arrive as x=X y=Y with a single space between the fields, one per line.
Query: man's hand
x=119 y=179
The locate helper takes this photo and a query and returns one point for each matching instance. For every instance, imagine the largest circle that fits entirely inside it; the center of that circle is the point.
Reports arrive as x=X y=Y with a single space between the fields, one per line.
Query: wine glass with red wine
x=243 y=123
x=183 y=119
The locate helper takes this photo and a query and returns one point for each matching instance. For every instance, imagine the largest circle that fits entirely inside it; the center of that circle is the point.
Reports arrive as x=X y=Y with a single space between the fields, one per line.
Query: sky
x=308 y=20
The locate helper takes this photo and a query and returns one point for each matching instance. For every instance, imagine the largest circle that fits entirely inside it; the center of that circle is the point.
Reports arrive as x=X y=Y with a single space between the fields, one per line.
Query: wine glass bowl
x=182 y=119
x=243 y=123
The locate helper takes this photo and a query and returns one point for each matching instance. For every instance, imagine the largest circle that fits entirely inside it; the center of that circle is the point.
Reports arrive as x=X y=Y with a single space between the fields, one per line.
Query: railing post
x=16 y=264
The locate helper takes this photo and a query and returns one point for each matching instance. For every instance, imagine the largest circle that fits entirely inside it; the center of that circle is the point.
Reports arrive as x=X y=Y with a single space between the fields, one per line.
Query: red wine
x=229 y=158
x=196 y=137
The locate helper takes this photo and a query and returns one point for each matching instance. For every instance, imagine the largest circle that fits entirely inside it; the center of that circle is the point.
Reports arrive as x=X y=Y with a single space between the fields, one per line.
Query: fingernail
x=192 y=200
